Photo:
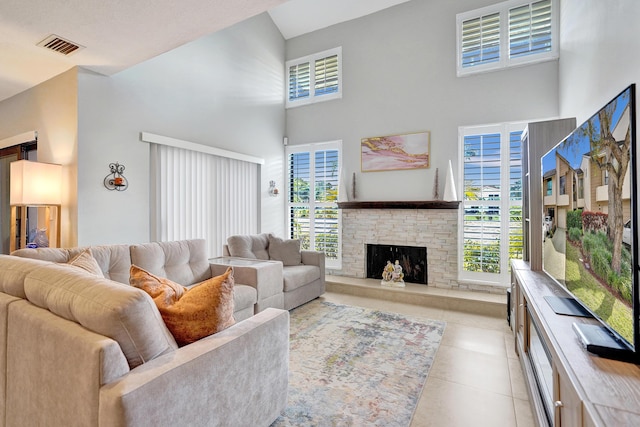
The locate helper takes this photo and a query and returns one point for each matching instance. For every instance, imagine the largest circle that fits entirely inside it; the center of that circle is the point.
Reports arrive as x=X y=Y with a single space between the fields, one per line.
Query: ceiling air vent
x=58 y=44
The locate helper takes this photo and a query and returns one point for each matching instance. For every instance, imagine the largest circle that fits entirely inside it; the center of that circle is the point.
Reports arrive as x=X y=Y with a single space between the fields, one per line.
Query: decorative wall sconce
x=273 y=191
x=116 y=180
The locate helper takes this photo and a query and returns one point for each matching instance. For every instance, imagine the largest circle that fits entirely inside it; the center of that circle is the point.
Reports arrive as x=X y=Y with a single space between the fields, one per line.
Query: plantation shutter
x=530 y=29
x=482 y=210
x=299 y=191
x=491 y=214
x=299 y=81
x=326 y=75
x=481 y=40
x=314 y=217
x=516 y=242
x=326 y=197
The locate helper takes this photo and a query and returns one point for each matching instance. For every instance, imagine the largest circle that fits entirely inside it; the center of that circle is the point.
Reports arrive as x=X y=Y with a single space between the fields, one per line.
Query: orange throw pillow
x=190 y=313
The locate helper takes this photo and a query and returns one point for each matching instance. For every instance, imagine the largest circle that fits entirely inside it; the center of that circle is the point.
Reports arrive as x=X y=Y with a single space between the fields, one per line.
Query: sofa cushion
x=183 y=261
x=114 y=260
x=13 y=271
x=297 y=276
x=254 y=246
x=85 y=261
x=120 y=312
x=194 y=313
x=287 y=251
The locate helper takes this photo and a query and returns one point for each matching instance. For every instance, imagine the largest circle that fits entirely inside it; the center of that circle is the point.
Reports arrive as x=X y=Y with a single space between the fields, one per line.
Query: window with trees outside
x=491 y=211
x=312 y=198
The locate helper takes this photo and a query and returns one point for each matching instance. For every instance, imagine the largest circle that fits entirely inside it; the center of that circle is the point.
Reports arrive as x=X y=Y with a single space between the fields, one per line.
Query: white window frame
x=504 y=129
x=333 y=264
x=312 y=98
x=505 y=61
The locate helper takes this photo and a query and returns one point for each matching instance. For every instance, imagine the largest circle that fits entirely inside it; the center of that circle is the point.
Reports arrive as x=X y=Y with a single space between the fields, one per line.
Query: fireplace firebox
x=413 y=260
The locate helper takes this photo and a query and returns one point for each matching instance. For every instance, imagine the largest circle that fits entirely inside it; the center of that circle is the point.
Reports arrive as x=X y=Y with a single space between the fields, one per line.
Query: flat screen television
x=589 y=186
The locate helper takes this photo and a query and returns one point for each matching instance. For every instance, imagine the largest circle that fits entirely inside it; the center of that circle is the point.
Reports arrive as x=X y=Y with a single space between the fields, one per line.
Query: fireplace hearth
x=413 y=260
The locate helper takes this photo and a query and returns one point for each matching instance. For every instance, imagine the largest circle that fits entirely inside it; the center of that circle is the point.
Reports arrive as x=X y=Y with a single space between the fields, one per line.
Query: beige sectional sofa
x=297 y=278
x=79 y=350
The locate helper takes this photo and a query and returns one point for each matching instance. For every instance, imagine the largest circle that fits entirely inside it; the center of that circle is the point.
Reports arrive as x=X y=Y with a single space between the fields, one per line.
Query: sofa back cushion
x=121 y=312
x=114 y=260
x=254 y=246
x=13 y=271
x=184 y=262
x=287 y=251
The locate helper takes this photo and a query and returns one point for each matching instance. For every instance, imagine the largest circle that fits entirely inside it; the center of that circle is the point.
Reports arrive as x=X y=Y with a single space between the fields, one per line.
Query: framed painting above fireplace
x=395 y=152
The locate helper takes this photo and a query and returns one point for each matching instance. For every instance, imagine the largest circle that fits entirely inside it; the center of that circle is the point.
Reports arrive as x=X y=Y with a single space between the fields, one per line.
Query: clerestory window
x=314 y=78
x=506 y=34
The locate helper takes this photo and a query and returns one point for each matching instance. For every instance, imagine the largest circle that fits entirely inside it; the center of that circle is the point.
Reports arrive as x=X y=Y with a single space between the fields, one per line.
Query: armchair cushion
x=297 y=276
x=287 y=251
x=193 y=313
x=254 y=246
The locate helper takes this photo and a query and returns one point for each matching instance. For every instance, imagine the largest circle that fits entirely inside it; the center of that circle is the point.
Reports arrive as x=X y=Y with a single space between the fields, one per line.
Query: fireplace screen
x=412 y=259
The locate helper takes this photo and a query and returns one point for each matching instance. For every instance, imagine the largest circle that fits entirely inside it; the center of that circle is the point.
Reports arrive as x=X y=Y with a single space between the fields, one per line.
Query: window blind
x=491 y=217
x=507 y=34
x=530 y=29
x=326 y=75
x=314 y=217
x=481 y=40
x=199 y=195
x=299 y=81
x=314 y=78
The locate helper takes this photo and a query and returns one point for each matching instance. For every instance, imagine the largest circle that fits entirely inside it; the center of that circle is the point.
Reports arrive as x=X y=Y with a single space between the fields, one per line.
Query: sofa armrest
x=264 y=276
x=313 y=258
x=237 y=377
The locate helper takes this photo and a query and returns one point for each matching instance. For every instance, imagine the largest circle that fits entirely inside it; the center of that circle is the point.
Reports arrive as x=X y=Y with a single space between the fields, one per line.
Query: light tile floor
x=476 y=378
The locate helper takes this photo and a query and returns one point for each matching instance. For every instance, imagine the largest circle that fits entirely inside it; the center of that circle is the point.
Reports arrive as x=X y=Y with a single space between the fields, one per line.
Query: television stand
x=599 y=340
x=567 y=385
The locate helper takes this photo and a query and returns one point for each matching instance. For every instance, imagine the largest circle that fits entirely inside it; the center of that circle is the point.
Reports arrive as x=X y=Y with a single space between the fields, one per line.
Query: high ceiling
x=117 y=34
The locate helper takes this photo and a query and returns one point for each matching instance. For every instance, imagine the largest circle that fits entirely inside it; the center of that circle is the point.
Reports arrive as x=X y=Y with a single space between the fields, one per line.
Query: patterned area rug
x=351 y=366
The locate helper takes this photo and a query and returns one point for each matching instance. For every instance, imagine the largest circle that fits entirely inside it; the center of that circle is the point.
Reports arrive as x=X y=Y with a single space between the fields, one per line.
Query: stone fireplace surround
x=433 y=224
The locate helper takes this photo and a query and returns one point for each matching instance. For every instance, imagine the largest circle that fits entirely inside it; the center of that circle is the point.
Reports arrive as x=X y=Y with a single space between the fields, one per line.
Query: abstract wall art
x=395 y=152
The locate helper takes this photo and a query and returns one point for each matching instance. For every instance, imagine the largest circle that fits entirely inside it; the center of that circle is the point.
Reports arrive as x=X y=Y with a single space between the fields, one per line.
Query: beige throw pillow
x=190 y=313
x=287 y=251
x=87 y=262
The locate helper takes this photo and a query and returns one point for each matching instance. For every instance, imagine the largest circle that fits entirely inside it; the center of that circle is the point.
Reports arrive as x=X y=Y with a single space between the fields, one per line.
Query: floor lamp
x=39 y=186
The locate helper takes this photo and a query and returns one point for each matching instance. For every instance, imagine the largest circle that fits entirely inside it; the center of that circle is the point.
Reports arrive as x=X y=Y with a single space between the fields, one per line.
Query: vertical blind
x=199 y=195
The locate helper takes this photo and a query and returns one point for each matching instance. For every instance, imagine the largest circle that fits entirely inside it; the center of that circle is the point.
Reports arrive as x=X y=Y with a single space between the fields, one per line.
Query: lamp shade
x=34 y=183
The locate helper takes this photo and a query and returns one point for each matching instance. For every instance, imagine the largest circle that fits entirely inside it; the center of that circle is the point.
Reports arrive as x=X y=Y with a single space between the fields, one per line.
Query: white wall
x=224 y=90
x=399 y=76
x=599 y=53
